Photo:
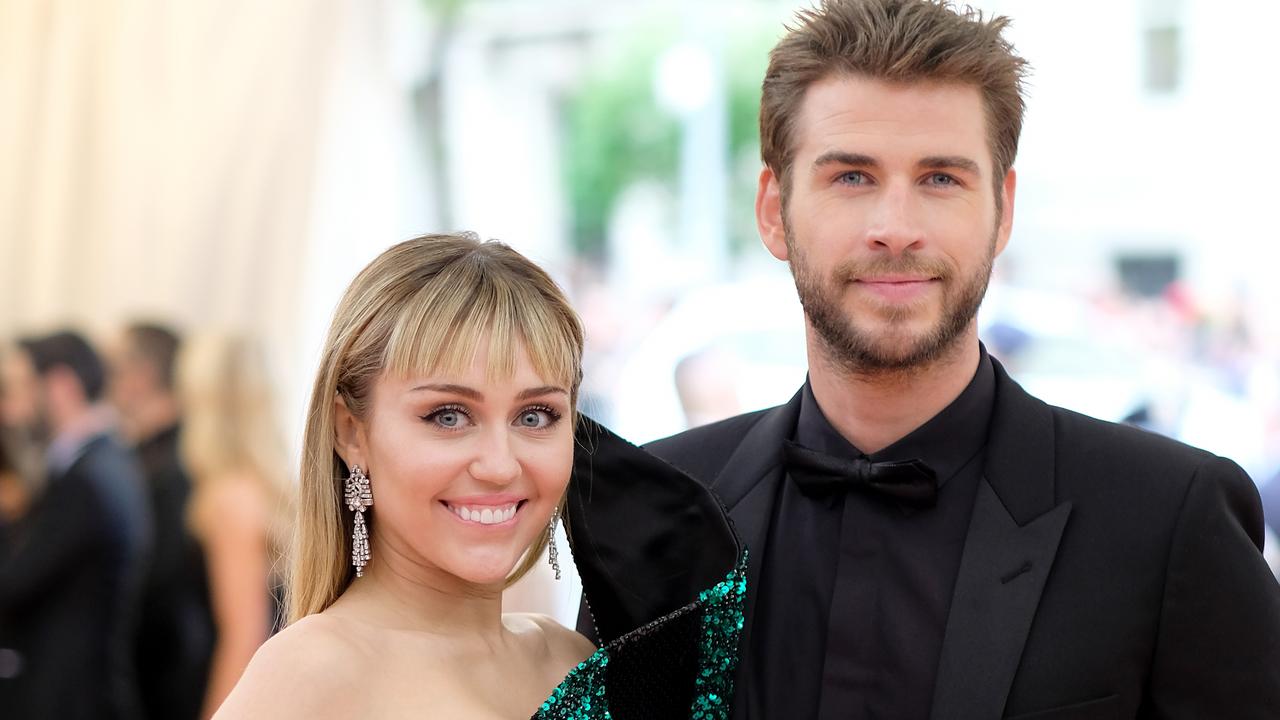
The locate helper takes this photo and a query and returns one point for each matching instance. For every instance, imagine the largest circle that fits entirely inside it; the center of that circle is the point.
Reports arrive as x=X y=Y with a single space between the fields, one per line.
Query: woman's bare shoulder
x=566 y=646
x=311 y=669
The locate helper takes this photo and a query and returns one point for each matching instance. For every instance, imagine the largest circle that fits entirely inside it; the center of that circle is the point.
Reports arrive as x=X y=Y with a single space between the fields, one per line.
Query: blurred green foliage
x=445 y=8
x=616 y=133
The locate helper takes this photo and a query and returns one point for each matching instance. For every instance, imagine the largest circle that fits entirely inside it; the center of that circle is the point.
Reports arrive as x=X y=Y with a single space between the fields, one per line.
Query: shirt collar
x=165 y=437
x=946 y=442
x=72 y=442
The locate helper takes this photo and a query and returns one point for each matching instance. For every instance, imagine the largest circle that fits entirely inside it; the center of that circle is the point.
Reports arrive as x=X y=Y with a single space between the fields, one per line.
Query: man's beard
x=861 y=351
x=37 y=430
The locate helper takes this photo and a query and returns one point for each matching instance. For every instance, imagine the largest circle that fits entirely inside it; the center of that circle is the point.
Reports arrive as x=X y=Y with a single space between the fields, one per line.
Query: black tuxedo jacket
x=70 y=578
x=1107 y=572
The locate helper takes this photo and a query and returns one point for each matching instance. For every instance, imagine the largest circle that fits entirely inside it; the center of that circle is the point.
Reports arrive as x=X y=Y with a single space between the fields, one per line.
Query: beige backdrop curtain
x=226 y=163
x=156 y=159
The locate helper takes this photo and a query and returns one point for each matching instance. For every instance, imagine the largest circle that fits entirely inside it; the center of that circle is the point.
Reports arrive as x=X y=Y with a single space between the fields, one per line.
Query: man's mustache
x=913 y=265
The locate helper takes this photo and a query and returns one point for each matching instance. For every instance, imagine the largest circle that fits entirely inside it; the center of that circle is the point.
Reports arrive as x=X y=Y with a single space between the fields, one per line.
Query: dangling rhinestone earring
x=553 y=553
x=359 y=496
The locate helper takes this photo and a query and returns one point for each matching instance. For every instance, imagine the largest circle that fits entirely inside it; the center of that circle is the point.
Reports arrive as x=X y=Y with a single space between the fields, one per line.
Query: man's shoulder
x=1110 y=442
x=703 y=450
x=104 y=456
x=108 y=472
x=1118 y=461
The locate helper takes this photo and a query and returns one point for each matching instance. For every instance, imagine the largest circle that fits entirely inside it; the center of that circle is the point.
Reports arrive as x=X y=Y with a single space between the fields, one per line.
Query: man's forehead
x=860 y=114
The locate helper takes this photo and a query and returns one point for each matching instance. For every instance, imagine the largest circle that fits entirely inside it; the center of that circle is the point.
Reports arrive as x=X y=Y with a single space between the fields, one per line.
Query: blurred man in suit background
x=176 y=633
x=72 y=564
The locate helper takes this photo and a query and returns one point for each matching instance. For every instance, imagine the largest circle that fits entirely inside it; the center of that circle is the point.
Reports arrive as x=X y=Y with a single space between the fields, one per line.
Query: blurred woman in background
x=18 y=476
x=236 y=458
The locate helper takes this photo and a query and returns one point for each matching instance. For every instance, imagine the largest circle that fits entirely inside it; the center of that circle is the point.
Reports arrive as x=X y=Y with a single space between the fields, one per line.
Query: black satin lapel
x=646 y=538
x=1002 y=574
x=1020 y=450
x=751 y=516
x=759 y=453
x=748 y=486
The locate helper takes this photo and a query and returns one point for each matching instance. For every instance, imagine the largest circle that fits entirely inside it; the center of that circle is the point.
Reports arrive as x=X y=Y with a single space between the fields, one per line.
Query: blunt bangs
x=442 y=326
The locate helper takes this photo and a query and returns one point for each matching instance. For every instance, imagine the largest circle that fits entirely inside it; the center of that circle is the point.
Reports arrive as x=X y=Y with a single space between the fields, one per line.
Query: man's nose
x=895 y=221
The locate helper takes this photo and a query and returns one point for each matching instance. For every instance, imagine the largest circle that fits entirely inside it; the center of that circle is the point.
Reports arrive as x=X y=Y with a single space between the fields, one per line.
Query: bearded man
x=928 y=540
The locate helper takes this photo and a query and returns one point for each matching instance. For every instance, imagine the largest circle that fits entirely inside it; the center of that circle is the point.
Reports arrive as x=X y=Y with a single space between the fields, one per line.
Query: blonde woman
x=438 y=450
x=445 y=399
x=233 y=451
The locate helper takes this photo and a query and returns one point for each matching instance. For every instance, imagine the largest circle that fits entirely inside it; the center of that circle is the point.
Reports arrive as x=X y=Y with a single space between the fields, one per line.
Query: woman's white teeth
x=485 y=516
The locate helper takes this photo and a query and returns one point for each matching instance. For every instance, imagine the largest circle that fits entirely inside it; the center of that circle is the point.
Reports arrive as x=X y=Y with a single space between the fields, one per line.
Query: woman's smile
x=490 y=512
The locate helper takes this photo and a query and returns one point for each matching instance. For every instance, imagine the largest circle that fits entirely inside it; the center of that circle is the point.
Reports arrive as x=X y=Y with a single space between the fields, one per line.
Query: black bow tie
x=911 y=482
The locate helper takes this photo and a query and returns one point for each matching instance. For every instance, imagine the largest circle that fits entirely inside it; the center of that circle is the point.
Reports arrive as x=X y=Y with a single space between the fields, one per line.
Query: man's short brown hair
x=157 y=345
x=898 y=41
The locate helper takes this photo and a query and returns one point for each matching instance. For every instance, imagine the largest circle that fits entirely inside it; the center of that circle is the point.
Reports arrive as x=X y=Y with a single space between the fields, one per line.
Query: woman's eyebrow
x=472 y=393
x=543 y=390
x=462 y=390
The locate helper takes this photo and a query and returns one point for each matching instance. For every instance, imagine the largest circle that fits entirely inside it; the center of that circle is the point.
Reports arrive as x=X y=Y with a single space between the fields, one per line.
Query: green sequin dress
x=664 y=577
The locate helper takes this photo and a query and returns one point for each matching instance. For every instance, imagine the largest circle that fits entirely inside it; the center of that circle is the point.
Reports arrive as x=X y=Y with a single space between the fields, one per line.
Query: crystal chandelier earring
x=359 y=496
x=553 y=553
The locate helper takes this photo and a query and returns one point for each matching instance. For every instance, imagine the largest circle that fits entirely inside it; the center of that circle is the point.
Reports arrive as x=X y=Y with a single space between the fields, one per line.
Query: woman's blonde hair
x=230 y=428
x=423 y=306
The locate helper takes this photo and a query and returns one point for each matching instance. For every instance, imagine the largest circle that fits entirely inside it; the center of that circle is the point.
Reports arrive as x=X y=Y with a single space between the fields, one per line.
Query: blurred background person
x=20 y=474
x=72 y=567
x=232 y=448
x=176 y=634
x=706 y=381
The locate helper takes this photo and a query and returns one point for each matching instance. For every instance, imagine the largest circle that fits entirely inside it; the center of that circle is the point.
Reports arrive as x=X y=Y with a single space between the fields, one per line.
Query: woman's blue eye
x=448 y=418
x=537 y=418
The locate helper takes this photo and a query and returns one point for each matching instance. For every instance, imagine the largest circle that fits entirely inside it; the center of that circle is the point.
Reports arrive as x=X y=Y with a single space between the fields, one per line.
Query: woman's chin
x=483 y=572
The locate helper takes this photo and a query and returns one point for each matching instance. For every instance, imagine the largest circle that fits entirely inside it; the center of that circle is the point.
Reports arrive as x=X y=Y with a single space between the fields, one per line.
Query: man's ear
x=348 y=434
x=769 y=219
x=1008 y=189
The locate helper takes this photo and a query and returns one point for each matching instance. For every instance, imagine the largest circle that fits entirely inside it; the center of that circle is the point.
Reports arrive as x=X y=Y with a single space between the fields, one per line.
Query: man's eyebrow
x=462 y=390
x=950 y=162
x=840 y=157
x=539 y=391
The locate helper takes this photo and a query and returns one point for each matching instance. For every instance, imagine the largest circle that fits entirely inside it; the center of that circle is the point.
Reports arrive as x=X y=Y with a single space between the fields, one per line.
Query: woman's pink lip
x=483 y=501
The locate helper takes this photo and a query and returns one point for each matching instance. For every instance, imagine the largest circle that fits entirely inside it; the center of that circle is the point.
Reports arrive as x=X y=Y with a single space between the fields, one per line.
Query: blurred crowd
x=143 y=493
